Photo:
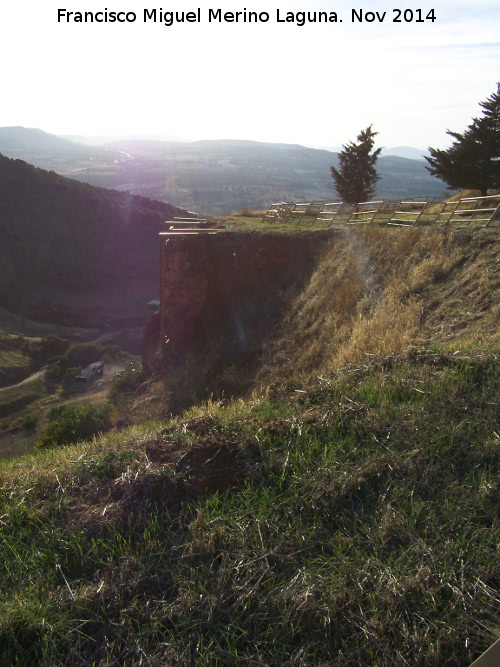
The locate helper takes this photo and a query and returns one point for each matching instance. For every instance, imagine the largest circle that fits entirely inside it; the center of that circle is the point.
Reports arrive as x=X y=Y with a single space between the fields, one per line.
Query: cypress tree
x=356 y=177
x=473 y=159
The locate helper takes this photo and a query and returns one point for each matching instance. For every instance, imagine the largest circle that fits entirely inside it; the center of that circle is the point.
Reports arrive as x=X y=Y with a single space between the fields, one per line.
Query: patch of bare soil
x=96 y=391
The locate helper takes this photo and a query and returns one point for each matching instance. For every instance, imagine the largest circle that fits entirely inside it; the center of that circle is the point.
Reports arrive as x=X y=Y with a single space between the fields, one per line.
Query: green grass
x=70 y=424
x=254 y=223
x=348 y=519
x=15 y=399
x=14 y=366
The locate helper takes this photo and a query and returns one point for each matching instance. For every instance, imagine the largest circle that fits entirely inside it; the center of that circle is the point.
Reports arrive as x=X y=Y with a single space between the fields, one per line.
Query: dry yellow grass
x=250 y=213
x=377 y=292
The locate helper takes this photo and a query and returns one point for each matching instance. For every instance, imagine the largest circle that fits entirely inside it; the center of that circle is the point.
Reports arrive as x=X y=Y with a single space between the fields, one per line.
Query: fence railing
x=468 y=211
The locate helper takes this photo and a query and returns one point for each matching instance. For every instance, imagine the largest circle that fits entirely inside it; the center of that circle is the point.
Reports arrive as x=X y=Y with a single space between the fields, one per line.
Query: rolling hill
x=215 y=177
x=72 y=253
x=23 y=139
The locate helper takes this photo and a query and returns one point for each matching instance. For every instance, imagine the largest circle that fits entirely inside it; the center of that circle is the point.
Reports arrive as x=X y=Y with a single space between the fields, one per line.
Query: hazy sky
x=317 y=84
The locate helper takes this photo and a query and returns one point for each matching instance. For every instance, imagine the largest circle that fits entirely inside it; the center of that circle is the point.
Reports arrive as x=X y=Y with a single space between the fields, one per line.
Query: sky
x=273 y=80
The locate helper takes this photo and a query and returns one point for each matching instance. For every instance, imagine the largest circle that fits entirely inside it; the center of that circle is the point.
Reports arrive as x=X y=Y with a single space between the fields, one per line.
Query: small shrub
x=30 y=421
x=50 y=346
x=126 y=383
x=248 y=213
x=71 y=424
x=82 y=354
x=54 y=371
x=112 y=353
x=70 y=374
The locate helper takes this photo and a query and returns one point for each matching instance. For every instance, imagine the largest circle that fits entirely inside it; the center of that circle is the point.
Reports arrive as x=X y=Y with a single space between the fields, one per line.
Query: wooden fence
x=466 y=212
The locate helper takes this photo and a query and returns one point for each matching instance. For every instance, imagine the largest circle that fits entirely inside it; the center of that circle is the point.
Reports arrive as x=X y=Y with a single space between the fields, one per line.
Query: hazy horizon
x=97 y=140
x=274 y=80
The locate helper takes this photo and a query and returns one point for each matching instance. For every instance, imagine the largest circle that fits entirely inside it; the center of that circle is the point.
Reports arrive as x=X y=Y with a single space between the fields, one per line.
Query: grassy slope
x=345 y=515
x=376 y=292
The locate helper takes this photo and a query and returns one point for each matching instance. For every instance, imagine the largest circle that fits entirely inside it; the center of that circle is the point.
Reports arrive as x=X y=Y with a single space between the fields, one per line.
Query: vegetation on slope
x=60 y=239
x=347 y=512
x=20 y=356
x=49 y=406
x=367 y=292
x=377 y=292
x=351 y=519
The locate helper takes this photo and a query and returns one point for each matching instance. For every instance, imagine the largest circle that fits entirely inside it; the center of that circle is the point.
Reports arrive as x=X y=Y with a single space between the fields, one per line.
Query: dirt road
x=36 y=376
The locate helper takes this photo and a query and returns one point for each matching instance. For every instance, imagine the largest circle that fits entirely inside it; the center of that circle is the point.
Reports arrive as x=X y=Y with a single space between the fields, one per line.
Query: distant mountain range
x=100 y=140
x=32 y=140
x=75 y=254
x=408 y=152
x=212 y=177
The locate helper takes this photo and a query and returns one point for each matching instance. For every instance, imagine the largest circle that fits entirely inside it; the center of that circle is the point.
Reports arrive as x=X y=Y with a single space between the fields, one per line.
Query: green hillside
x=68 y=250
x=342 y=508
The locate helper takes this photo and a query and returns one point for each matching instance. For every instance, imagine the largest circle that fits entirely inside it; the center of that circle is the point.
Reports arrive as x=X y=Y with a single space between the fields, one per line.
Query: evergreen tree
x=356 y=177
x=473 y=159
